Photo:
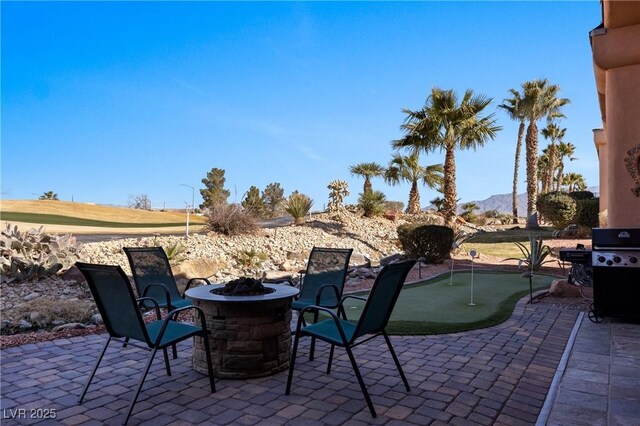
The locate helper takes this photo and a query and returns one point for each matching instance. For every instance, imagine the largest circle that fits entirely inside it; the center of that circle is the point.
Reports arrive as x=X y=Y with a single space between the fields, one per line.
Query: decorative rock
x=97 y=319
x=34 y=316
x=73 y=274
x=24 y=324
x=359 y=260
x=561 y=288
x=277 y=275
x=31 y=296
x=396 y=257
x=69 y=326
x=197 y=268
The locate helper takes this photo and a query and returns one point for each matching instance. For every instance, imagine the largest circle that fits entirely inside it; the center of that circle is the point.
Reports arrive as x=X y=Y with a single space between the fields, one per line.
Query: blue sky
x=105 y=100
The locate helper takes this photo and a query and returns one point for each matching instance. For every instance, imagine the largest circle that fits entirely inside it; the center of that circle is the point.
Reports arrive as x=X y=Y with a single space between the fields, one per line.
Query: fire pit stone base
x=246 y=339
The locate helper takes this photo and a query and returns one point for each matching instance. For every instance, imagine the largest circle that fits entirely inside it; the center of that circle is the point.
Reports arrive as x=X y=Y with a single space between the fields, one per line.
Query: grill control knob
x=616 y=259
x=609 y=262
x=601 y=259
x=633 y=259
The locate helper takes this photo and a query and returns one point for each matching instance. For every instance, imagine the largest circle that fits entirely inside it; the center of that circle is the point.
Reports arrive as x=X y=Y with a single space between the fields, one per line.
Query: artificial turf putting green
x=435 y=307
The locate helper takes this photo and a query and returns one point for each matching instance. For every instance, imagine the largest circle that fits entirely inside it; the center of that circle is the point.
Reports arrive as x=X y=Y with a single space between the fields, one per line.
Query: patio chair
x=323 y=282
x=373 y=320
x=118 y=306
x=153 y=277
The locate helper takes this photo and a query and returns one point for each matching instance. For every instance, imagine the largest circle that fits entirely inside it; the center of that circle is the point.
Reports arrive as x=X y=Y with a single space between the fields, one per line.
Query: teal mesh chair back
x=325 y=266
x=115 y=301
x=382 y=298
x=150 y=265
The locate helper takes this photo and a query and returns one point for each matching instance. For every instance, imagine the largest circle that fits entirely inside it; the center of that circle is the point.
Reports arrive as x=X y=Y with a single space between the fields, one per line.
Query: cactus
x=33 y=254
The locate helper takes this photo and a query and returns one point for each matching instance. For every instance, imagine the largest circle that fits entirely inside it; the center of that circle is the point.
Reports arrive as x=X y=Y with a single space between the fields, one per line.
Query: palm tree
x=544 y=170
x=554 y=133
x=540 y=101
x=49 y=195
x=564 y=150
x=407 y=168
x=448 y=125
x=574 y=182
x=516 y=112
x=367 y=170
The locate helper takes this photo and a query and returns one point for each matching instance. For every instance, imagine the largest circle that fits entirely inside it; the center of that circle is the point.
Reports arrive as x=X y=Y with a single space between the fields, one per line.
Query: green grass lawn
x=53 y=219
x=435 y=307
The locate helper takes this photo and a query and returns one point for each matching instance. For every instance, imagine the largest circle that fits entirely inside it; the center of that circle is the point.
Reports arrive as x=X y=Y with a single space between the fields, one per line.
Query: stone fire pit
x=250 y=335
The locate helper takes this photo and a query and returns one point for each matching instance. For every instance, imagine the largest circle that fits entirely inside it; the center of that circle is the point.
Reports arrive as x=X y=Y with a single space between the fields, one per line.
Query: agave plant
x=298 y=205
x=533 y=256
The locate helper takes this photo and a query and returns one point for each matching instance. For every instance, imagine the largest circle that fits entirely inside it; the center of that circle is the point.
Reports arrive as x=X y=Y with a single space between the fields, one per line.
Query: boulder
x=359 y=260
x=69 y=326
x=197 y=268
x=394 y=258
x=277 y=275
x=73 y=274
x=561 y=288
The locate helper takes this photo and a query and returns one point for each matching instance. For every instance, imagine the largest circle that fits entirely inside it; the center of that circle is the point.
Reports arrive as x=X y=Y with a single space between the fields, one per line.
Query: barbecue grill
x=616 y=273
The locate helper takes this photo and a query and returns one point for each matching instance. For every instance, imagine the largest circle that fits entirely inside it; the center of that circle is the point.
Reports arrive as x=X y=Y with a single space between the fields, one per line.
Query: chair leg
x=140 y=383
x=126 y=341
x=361 y=382
x=175 y=352
x=166 y=361
x=312 y=348
x=95 y=368
x=395 y=359
x=330 y=358
x=292 y=361
x=207 y=352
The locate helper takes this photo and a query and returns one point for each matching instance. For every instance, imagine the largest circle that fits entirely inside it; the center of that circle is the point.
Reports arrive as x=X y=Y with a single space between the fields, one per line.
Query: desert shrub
x=433 y=242
x=230 y=219
x=581 y=195
x=557 y=208
x=394 y=206
x=298 y=205
x=372 y=203
x=587 y=212
x=491 y=214
x=46 y=312
x=480 y=220
x=251 y=258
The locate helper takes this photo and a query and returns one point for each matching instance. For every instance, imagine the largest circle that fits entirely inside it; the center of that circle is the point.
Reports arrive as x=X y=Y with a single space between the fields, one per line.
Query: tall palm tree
x=565 y=149
x=544 y=170
x=367 y=170
x=574 y=182
x=445 y=124
x=554 y=133
x=515 y=109
x=540 y=100
x=408 y=169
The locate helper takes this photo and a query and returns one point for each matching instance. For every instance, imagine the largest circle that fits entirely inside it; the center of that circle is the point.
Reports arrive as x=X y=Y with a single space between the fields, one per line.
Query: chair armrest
x=192 y=280
x=166 y=292
x=156 y=306
x=312 y=308
x=324 y=287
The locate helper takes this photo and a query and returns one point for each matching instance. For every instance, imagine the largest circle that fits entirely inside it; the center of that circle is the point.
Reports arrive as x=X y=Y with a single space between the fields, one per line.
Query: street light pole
x=193 y=190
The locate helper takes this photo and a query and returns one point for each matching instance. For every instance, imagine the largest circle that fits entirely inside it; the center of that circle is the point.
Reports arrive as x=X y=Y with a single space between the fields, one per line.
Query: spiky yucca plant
x=298 y=206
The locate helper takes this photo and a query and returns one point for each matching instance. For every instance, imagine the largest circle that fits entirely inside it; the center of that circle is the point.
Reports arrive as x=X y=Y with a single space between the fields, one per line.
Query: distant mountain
x=502 y=202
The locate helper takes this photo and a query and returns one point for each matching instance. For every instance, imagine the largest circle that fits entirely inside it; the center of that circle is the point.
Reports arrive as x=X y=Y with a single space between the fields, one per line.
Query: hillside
x=502 y=202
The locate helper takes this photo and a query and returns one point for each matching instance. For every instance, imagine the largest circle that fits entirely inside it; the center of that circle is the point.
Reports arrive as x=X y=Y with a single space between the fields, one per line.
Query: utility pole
x=193 y=191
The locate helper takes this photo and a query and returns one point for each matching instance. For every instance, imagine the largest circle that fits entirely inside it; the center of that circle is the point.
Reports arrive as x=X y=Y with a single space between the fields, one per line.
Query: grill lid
x=620 y=238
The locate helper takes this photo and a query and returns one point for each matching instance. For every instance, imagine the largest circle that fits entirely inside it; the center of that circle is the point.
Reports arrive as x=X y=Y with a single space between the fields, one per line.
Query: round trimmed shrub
x=557 y=207
x=582 y=195
x=587 y=212
x=433 y=242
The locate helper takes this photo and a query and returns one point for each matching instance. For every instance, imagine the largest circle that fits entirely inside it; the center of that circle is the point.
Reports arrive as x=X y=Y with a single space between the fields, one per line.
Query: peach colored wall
x=616 y=59
x=623 y=134
x=599 y=138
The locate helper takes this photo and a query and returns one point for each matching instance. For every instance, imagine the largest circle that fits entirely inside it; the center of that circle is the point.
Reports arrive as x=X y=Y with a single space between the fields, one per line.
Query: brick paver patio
x=499 y=375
